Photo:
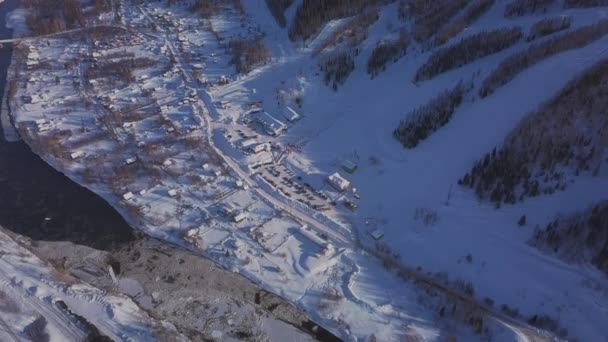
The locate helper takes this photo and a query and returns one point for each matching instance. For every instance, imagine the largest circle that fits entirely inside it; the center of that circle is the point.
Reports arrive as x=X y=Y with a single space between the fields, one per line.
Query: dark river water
x=41 y=203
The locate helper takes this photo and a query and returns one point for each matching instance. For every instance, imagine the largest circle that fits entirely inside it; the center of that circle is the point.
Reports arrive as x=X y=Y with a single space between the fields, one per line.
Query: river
x=37 y=201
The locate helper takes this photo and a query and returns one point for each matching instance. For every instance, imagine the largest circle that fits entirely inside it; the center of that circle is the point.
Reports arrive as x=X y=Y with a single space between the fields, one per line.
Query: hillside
x=578 y=237
x=458 y=129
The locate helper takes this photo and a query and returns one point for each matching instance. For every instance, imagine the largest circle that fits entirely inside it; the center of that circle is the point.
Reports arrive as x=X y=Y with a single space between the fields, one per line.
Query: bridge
x=55 y=34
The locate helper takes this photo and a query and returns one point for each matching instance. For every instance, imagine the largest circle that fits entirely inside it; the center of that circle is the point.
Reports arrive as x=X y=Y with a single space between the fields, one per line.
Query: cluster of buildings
x=33 y=57
x=252 y=145
x=237 y=216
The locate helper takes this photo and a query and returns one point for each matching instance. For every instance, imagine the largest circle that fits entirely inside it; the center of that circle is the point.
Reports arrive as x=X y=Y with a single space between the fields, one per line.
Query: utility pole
x=447 y=200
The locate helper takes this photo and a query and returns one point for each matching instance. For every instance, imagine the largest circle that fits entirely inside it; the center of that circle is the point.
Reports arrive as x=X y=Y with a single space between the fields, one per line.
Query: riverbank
x=186 y=290
x=9 y=133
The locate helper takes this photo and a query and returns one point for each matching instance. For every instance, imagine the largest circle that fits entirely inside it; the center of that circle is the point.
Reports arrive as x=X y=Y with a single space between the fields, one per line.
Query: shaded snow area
x=192 y=293
x=299 y=184
x=15 y=20
x=41 y=303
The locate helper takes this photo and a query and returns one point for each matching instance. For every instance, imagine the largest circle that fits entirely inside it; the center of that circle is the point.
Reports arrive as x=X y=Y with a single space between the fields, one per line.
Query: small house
x=377 y=234
x=261 y=147
x=338 y=182
x=77 y=154
x=127 y=196
x=172 y=192
x=349 y=166
x=255 y=105
x=227 y=210
x=130 y=160
x=247 y=143
x=33 y=55
x=168 y=162
x=291 y=115
x=239 y=217
x=235 y=244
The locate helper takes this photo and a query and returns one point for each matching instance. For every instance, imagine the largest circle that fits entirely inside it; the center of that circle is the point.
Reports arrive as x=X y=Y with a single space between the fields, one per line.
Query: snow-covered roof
x=291 y=114
x=127 y=196
x=240 y=216
x=377 y=234
x=76 y=155
x=248 y=142
x=337 y=181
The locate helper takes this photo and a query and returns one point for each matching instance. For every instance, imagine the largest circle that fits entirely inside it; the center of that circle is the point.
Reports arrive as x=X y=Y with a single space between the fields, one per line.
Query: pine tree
x=522 y=221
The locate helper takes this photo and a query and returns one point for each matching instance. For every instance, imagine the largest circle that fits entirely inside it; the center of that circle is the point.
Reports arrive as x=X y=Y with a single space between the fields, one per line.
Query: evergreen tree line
x=424 y=121
x=585 y=3
x=385 y=51
x=519 y=61
x=581 y=236
x=209 y=8
x=471 y=14
x=247 y=54
x=277 y=8
x=336 y=68
x=352 y=33
x=561 y=140
x=45 y=17
x=547 y=26
x=467 y=50
x=122 y=69
x=402 y=10
x=429 y=16
x=312 y=15
x=518 y=8
x=102 y=6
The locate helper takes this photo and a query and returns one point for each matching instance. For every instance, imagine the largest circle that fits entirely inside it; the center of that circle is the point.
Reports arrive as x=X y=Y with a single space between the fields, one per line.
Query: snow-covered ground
x=30 y=289
x=206 y=194
x=356 y=122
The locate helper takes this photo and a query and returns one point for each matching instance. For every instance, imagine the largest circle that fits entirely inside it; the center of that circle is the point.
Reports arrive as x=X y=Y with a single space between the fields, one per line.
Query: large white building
x=269 y=123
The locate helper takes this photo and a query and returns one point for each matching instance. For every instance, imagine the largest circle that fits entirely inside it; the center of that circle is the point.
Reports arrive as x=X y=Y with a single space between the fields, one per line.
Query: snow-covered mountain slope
x=181 y=148
x=356 y=122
